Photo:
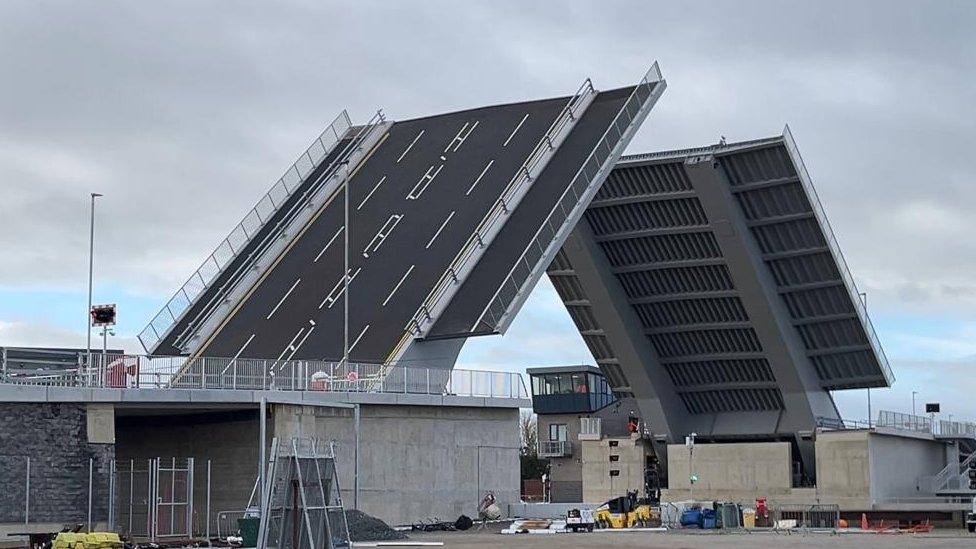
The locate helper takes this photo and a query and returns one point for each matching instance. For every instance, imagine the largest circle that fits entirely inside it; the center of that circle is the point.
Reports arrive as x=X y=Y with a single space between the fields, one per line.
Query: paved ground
x=692 y=539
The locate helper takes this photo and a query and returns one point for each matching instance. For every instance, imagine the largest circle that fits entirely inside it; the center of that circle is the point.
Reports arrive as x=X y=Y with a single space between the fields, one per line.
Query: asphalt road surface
x=167 y=345
x=695 y=539
x=463 y=317
x=413 y=203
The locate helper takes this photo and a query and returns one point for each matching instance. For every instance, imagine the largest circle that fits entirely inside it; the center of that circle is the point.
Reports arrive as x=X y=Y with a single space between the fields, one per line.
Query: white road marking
x=397 y=287
x=444 y=224
x=283 y=298
x=331 y=240
x=458 y=135
x=465 y=138
x=383 y=233
x=505 y=144
x=410 y=146
x=246 y=343
x=302 y=342
x=339 y=287
x=459 y=139
x=482 y=174
x=290 y=343
x=361 y=334
x=360 y=206
x=425 y=181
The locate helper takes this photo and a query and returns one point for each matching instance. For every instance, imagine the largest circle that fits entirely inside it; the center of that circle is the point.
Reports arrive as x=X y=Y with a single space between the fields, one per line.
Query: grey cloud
x=183 y=113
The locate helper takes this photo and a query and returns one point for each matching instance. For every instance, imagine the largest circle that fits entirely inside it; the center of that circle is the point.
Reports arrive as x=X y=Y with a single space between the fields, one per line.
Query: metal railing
x=145 y=372
x=239 y=237
x=501 y=208
x=954 y=477
x=834 y=246
x=809 y=516
x=575 y=197
x=925 y=424
x=555 y=448
x=957 y=429
x=838 y=424
x=904 y=422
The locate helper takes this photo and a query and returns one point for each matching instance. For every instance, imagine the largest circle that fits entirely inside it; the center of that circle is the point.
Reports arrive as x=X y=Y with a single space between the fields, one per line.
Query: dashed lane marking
x=382 y=235
x=398 y=284
x=505 y=144
x=424 y=182
x=410 y=146
x=482 y=174
x=441 y=228
x=361 y=334
x=380 y=182
x=282 y=300
x=246 y=343
x=331 y=240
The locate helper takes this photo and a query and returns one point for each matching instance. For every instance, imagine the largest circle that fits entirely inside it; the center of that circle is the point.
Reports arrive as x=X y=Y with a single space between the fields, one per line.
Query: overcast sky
x=184 y=113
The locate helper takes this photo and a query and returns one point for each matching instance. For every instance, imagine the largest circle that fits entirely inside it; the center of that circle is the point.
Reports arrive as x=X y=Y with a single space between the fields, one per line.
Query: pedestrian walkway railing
x=904 y=422
x=501 y=209
x=577 y=196
x=238 y=238
x=145 y=372
x=924 y=424
x=845 y=272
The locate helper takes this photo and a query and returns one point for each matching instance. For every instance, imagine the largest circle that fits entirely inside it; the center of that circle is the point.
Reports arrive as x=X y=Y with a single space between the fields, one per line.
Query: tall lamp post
x=91 y=269
x=345 y=272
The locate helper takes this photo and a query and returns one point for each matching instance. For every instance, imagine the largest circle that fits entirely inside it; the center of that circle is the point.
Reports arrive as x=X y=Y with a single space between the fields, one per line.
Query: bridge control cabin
x=569 y=390
x=584 y=433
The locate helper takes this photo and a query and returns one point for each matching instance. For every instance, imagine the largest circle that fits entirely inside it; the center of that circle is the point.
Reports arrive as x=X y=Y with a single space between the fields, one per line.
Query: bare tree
x=529 y=433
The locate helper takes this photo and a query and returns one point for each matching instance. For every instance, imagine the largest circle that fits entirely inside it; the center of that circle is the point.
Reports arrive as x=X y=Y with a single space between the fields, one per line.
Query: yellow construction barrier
x=748 y=518
x=94 y=540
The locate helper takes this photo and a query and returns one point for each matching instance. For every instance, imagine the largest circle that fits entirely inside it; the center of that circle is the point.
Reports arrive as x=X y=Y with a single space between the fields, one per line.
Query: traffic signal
x=103 y=315
x=972 y=474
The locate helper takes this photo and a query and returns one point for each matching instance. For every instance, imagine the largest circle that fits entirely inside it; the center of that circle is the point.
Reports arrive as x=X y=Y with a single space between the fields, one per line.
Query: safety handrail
x=239 y=237
x=579 y=185
x=500 y=208
x=282 y=226
x=222 y=373
x=845 y=272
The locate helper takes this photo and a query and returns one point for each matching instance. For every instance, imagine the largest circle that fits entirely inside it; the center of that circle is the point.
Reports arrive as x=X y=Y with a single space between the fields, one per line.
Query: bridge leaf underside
x=729 y=297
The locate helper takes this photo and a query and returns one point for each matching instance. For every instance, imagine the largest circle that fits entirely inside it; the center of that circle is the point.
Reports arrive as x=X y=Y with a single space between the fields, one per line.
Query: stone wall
x=55 y=436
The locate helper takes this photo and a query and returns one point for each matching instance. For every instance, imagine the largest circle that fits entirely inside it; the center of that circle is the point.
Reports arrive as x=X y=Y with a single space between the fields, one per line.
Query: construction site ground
x=691 y=539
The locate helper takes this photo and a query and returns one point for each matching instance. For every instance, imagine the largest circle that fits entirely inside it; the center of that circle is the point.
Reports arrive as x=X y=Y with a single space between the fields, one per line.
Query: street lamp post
x=692 y=477
x=345 y=267
x=91 y=269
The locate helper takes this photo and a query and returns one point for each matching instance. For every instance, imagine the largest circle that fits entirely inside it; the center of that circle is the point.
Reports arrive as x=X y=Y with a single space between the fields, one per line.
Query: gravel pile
x=363 y=527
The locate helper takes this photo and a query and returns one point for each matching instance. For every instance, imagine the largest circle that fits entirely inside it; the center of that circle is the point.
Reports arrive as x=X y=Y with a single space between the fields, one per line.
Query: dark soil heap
x=363 y=527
